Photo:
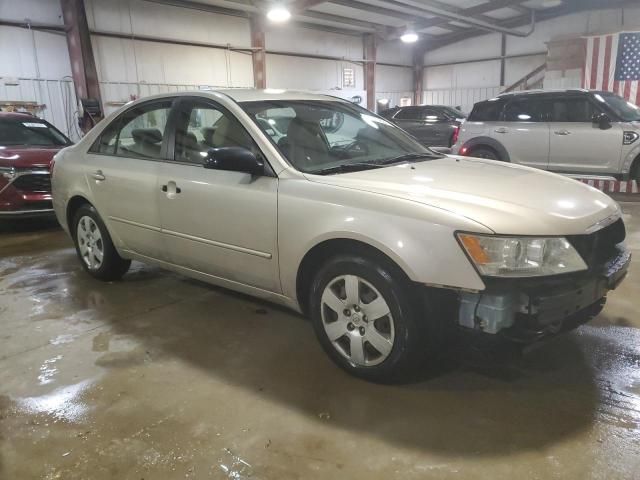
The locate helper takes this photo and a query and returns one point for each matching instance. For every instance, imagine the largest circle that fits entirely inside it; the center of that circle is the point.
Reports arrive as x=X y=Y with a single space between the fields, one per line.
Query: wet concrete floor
x=161 y=377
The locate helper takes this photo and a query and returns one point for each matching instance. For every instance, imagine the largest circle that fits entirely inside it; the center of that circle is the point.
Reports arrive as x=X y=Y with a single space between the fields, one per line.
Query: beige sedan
x=314 y=203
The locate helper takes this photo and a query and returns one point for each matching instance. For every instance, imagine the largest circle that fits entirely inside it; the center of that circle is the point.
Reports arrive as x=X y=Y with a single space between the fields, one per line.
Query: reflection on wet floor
x=162 y=377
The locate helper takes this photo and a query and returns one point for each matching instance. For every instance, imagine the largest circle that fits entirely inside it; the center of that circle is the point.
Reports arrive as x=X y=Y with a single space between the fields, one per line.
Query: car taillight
x=456 y=133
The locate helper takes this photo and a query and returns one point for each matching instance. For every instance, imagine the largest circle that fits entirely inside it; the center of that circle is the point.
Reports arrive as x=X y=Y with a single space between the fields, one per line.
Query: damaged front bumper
x=527 y=309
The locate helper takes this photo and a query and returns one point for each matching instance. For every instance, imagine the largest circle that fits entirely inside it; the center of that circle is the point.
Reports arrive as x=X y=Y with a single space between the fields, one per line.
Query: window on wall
x=138 y=133
x=348 y=77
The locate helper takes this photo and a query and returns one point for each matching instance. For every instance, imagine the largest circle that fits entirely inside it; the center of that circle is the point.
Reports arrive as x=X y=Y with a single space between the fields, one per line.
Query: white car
x=567 y=131
x=315 y=203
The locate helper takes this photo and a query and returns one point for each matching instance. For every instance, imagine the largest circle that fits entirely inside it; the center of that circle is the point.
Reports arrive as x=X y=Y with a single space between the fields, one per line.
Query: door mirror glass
x=602 y=120
x=234 y=159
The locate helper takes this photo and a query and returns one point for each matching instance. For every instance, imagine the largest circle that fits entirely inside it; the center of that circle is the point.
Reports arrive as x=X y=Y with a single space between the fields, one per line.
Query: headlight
x=521 y=256
x=8 y=172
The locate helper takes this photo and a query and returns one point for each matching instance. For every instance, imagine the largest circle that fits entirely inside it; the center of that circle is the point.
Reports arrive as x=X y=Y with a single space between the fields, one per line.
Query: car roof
x=256 y=95
x=16 y=116
x=250 y=94
x=523 y=93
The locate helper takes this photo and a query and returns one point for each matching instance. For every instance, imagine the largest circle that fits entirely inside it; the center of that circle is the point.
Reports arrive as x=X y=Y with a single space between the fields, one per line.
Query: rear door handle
x=98 y=176
x=562 y=132
x=501 y=130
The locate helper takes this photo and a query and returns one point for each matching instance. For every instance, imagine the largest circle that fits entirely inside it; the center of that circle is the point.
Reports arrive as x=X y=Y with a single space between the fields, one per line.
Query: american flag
x=613 y=64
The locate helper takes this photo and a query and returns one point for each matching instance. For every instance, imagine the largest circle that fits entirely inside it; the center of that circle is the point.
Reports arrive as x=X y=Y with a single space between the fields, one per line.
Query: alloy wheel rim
x=90 y=243
x=357 y=320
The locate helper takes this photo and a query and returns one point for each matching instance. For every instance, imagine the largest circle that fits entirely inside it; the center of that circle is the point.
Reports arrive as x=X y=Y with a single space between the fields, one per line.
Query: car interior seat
x=147 y=142
x=307 y=146
x=230 y=133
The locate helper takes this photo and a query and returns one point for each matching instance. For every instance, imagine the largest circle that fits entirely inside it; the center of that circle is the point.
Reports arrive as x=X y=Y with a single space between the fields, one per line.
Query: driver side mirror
x=602 y=120
x=234 y=159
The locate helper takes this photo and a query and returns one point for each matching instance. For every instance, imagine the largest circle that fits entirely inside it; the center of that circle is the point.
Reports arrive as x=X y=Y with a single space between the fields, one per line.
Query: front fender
x=418 y=238
x=629 y=159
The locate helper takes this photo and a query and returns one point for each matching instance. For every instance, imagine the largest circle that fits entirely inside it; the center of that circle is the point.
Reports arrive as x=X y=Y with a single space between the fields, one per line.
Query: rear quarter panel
x=469 y=130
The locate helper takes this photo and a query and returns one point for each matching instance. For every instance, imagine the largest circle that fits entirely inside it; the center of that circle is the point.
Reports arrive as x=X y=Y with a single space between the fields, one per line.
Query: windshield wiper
x=408 y=157
x=346 y=167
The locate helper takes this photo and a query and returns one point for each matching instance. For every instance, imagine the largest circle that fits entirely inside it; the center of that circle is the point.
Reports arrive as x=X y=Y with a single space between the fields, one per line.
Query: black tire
x=485 y=152
x=415 y=339
x=635 y=171
x=112 y=266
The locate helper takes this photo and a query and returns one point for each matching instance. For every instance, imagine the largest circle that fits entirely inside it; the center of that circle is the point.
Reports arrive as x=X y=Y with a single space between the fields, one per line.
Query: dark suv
x=570 y=131
x=431 y=125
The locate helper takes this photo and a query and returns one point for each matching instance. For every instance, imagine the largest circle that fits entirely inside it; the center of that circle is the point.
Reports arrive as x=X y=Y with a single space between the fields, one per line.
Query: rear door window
x=411 y=113
x=138 y=133
x=524 y=110
x=486 y=111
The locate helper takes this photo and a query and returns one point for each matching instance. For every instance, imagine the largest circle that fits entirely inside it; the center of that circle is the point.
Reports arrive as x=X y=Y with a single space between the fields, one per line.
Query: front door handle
x=562 y=132
x=98 y=176
x=501 y=130
x=171 y=189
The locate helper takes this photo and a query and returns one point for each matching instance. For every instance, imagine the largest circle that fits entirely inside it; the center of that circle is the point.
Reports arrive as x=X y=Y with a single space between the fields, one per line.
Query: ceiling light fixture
x=409 y=37
x=278 y=14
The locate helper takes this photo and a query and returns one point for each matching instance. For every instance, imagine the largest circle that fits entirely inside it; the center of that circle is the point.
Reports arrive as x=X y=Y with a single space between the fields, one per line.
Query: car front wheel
x=94 y=246
x=366 y=320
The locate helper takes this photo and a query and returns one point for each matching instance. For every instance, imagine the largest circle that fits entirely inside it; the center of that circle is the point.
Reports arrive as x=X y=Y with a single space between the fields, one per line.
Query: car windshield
x=325 y=137
x=30 y=132
x=627 y=111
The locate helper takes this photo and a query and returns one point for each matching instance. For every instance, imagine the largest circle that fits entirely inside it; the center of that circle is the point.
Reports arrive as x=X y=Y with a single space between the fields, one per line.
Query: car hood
x=27 y=157
x=506 y=198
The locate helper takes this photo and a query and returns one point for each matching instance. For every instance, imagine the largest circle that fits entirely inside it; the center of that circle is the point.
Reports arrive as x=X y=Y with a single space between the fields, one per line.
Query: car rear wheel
x=366 y=319
x=484 y=152
x=94 y=246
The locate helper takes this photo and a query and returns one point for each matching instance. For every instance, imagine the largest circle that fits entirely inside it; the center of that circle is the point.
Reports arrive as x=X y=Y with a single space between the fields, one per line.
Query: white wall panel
x=394 y=79
x=151 y=19
x=30 y=54
x=516 y=68
x=395 y=52
x=120 y=60
x=477 y=74
x=285 y=71
x=462 y=97
x=487 y=74
x=477 y=47
x=394 y=97
x=57 y=96
x=287 y=38
x=38 y=11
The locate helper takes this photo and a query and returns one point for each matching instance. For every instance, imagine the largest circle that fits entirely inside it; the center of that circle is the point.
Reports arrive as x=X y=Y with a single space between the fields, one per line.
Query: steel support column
x=83 y=65
x=369 y=41
x=258 y=55
x=503 y=60
x=418 y=73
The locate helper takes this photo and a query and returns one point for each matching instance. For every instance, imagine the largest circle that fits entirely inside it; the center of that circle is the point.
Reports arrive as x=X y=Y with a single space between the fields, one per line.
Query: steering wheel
x=356 y=148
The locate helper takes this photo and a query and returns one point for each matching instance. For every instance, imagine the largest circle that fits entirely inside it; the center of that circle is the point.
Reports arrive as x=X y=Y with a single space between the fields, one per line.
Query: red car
x=27 y=146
